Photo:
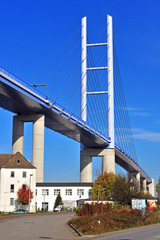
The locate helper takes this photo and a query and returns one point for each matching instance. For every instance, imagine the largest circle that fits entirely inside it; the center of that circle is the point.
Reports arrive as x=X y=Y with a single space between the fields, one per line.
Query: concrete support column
x=151 y=187
x=144 y=186
x=138 y=181
x=17 y=135
x=38 y=146
x=85 y=167
x=130 y=179
x=108 y=161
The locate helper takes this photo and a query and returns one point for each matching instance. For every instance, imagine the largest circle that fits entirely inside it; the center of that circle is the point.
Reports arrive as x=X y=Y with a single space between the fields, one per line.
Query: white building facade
x=15 y=172
x=46 y=194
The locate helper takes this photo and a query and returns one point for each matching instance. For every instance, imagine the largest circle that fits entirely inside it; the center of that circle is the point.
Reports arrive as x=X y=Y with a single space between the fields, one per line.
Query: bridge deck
x=18 y=97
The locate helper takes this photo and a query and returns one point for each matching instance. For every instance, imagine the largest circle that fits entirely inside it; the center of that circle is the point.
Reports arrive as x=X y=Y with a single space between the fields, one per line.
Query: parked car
x=56 y=210
x=19 y=211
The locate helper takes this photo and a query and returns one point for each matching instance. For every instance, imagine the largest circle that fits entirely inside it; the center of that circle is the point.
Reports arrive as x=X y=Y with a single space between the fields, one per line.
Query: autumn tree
x=122 y=190
x=103 y=186
x=58 y=200
x=158 y=190
x=23 y=195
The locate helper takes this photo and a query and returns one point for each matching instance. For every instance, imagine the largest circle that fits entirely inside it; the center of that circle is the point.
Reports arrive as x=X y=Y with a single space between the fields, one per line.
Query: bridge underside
x=22 y=99
x=18 y=102
x=130 y=166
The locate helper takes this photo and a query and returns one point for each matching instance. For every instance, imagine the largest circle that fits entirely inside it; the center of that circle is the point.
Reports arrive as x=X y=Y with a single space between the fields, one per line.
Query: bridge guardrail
x=56 y=105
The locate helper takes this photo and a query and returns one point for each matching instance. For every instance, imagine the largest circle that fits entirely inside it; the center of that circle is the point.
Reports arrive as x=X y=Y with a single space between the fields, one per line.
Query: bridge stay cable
x=57 y=53
x=99 y=102
x=126 y=130
x=97 y=81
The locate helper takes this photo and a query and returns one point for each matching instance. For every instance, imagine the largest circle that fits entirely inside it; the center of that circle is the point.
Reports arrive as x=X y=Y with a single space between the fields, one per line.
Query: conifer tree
x=58 y=201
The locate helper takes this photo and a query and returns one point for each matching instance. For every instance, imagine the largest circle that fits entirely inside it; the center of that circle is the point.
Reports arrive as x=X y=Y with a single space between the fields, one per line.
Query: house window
x=69 y=192
x=18 y=161
x=45 y=191
x=57 y=191
x=11 y=201
x=80 y=192
x=24 y=174
x=12 y=173
x=12 y=187
x=36 y=192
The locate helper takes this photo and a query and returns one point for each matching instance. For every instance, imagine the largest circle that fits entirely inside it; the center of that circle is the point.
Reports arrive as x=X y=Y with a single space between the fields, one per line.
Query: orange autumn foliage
x=23 y=195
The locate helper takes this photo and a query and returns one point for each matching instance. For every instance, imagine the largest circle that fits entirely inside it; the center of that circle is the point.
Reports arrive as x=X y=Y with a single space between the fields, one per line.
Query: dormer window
x=18 y=161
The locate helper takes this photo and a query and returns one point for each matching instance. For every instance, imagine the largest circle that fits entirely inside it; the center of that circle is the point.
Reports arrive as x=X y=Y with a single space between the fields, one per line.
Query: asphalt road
x=151 y=232
x=37 y=227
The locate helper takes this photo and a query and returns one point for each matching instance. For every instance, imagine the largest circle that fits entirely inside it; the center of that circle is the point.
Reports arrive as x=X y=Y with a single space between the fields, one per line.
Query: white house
x=15 y=171
x=46 y=194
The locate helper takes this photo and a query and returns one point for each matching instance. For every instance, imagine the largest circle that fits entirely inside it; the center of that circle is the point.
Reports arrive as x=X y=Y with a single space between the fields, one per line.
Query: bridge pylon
x=108 y=163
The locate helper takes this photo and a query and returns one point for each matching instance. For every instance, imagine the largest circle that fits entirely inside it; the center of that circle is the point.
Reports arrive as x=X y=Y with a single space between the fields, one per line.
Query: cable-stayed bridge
x=93 y=113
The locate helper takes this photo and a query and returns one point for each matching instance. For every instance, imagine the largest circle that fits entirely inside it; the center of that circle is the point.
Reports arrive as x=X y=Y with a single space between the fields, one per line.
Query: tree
x=23 y=195
x=58 y=201
x=122 y=190
x=158 y=190
x=103 y=186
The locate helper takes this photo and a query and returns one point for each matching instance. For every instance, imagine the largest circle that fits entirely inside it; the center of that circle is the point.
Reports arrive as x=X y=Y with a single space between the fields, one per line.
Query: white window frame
x=13 y=174
x=11 y=201
x=80 y=192
x=24 y=174
x=12 y=189
x=68 y=192
x=57 y=191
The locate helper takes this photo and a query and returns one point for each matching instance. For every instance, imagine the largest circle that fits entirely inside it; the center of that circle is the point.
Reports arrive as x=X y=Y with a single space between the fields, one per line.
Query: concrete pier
x=151 y=187
x=38 y=139
x=138 y=182
x=85 y=167
x=38 y=146
x=108 y=162
x=17 y=135
x=144 y=186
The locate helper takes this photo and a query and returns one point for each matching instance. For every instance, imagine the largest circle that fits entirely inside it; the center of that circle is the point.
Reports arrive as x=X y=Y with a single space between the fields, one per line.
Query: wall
x=68 y=201
x=6 y=180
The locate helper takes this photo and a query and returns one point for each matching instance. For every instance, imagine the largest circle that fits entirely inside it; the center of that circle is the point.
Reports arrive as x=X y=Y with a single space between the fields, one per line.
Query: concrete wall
x=69 y=201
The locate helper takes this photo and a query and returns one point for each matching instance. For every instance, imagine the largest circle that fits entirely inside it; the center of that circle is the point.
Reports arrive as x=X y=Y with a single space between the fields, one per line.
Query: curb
x=33 y=214
x=76 y=230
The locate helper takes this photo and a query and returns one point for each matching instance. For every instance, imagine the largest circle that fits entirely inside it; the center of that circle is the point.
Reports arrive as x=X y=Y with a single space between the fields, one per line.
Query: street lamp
x=42 y=85
x=29 y=191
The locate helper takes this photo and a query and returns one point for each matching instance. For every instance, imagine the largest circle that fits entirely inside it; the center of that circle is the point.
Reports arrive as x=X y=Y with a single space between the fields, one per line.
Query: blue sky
x=32 y=32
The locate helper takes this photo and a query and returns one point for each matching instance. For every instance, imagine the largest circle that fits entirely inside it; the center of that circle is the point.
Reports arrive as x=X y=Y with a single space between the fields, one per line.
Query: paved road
x=145 y=233
x=37 y=227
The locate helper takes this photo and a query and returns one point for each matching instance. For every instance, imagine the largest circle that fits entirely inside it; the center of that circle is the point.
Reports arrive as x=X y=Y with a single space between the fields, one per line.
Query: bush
x=113 y=219
x=94 y=209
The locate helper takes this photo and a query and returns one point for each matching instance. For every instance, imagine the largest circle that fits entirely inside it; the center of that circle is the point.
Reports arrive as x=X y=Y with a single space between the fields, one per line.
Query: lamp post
x=29 y=191
x=42 y=85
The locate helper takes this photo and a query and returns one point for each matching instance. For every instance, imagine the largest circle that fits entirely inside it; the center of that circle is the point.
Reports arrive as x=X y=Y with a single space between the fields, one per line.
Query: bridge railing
x=67 y=113
x=60 y=109
x=131 y=158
